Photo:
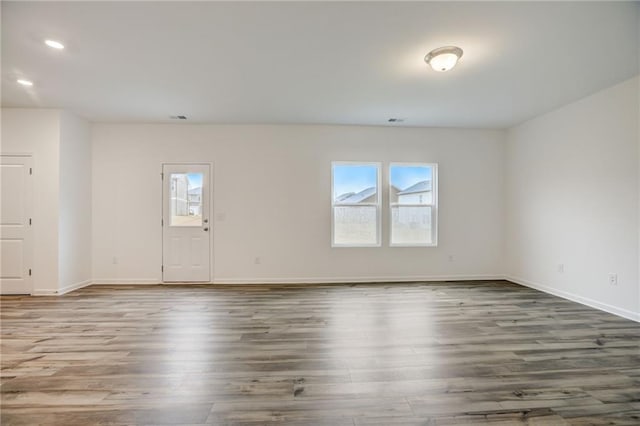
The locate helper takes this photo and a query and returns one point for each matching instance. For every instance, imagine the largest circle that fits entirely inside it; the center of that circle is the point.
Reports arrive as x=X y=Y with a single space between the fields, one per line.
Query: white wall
x=572 y=199
x=59 y=143
x=272 y=186
x=563 y=188
x=637 y=89
x=75 y=203
x=36 y=132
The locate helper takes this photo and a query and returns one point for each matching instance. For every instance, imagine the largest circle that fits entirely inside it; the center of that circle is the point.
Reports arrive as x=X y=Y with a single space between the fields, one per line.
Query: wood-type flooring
x=440 y=353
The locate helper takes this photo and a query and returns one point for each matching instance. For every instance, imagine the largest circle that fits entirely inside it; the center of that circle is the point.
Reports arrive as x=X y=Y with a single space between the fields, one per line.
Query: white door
x=186 y=244
x=15 y=224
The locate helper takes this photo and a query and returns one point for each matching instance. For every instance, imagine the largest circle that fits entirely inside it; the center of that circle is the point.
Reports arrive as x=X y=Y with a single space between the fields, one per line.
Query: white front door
x=186 y=243
x=15 y=225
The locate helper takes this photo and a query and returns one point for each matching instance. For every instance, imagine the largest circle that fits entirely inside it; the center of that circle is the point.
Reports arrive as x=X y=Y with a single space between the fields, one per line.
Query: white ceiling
x=322 y=62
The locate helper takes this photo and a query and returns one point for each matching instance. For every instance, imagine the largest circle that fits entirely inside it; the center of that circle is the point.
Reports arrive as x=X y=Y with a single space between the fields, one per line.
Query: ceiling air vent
x=396 y=120
x=178 y=117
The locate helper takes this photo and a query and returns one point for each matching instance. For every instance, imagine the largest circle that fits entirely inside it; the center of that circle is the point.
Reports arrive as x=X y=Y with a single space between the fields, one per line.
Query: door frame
x=211 y=228
x=29 y=236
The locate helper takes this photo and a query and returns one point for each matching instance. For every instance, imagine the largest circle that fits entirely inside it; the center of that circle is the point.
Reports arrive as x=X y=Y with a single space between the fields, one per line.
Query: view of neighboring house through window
x=186 y=196
x=356 y=204
x=412 y=197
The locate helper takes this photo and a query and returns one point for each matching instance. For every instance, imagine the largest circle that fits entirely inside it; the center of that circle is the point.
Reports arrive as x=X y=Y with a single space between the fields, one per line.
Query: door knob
x=206 y=229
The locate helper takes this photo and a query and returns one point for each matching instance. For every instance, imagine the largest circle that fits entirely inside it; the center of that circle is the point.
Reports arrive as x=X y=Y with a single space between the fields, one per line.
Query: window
x=355 y=204
x=186 y=193
x=413 y=201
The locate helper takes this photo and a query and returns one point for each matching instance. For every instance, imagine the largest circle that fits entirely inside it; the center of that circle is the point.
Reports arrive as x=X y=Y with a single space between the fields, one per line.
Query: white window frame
x=433 y=205
x=377 y=204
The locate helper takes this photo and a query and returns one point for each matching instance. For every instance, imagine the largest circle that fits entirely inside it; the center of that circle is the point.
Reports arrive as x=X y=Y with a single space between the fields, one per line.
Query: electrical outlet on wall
x=561 y=268
x=613 y=278
x=257 y=260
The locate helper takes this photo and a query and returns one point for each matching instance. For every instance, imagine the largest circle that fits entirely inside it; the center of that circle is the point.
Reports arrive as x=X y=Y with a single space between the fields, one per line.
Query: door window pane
x=186 y=199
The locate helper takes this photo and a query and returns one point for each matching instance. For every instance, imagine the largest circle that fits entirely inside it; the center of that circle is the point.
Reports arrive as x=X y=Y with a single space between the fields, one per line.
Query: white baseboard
x=132 y=281
x=310 y=280
x=71 y=287
x=45 y=292
x=624 y=313
x=61 y=291
x=338 y=280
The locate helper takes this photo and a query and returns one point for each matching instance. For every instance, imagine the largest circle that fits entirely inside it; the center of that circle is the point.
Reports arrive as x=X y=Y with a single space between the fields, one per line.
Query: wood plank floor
x=373 y=354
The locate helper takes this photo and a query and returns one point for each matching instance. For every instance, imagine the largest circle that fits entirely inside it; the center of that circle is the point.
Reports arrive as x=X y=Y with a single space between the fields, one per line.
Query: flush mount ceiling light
x=54 y=44
x=25 y=82
x=443 y=58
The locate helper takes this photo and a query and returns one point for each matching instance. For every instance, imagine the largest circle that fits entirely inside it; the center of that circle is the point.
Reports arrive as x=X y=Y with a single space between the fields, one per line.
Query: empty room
x=320 y=213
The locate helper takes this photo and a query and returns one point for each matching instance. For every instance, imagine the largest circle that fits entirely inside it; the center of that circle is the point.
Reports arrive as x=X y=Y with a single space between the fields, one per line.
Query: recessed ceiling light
x=443 y=58
x=25 y=82
x=54 y=44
